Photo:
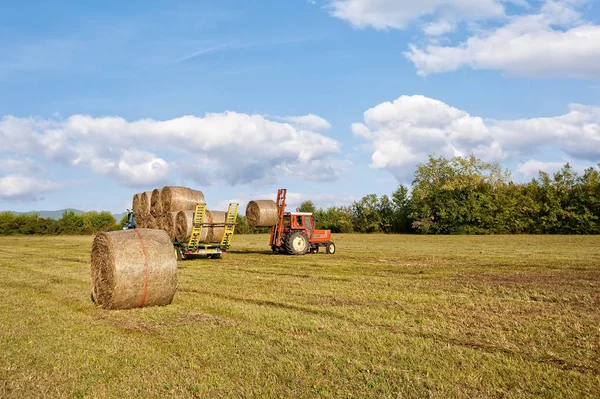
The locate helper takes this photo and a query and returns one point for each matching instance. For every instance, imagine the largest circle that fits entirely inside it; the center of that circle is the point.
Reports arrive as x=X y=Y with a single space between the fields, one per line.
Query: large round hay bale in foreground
x=262 y=213
x=155 y=203
x=175 y=199
x=184 y=222
x=133 y=269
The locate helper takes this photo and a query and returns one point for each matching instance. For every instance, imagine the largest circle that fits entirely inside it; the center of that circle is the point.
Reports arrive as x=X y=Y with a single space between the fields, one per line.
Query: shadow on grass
x=252 y=251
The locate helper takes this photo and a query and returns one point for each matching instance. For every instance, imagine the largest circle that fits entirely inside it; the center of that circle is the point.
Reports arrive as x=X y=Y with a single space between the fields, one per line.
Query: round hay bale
x=215 y=233
x=135 y=203
x=169 y=224
x=151 y=222
x=133 y=269
x=262 y=213
x=155 y=203
x=142 y=211
x=175 y=199
x=184 y=222
x=136 y=208
x=145 y=202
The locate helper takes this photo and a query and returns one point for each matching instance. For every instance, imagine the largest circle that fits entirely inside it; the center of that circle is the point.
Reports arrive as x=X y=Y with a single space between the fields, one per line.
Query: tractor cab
x=298 y=220
x=295 y=233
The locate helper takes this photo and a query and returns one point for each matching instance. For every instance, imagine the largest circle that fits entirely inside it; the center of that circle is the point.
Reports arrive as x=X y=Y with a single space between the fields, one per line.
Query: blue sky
x=331 y=99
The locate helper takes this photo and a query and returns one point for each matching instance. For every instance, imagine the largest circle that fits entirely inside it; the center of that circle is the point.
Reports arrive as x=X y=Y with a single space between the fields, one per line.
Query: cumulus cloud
x=555 y=41
x=398 y=14
x=532 y=167
x=405 y=132
x=310 y=121
x=220 y=148
x=19 y=187
x=15 y=164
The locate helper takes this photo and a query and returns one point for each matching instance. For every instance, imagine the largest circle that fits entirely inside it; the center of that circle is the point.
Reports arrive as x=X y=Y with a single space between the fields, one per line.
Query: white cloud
x=310 y=121
x=405 y=132
x=17 y=164
x=556 y=41
x=19 y=187
x=531 y=168
x=439 y=28
x=398 y=14
x=219 y=148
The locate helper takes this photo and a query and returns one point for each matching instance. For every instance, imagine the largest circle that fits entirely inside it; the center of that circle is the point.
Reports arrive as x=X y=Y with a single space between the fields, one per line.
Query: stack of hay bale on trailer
x=173 y=210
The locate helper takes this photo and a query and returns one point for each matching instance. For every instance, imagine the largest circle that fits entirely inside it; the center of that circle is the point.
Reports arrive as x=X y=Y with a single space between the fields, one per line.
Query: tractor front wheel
x=330 y=249
x=296 y=243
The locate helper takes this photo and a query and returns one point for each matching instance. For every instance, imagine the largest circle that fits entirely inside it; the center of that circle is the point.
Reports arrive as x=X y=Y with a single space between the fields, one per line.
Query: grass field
x=387 y=316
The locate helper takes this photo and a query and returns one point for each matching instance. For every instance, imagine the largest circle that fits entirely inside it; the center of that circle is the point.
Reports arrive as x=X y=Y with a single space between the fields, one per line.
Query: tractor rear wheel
x=330 y=248
x=296 y=243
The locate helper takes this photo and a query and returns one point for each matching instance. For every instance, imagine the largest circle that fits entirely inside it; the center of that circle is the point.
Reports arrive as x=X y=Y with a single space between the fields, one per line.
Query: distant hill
x=58 y=214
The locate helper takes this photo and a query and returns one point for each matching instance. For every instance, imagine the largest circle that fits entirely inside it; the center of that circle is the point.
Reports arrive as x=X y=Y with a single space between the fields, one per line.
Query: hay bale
x=141 y=209
x=151 y=222
x=145 y=202
x=215 y=233
x=184 y=222
x=175 y=199
x=155 y=203
x=169 y=224
x=262 y=213
x=133 y=269
x=136 y=208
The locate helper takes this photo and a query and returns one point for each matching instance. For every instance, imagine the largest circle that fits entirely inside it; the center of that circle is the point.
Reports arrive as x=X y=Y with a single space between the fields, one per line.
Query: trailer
x=193 y=247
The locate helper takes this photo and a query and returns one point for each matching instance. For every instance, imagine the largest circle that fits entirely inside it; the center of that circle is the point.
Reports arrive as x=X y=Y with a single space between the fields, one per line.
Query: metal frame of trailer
x=193 y=247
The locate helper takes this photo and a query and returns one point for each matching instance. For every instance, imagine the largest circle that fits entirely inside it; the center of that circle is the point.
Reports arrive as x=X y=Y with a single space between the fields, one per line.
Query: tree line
x=70 y=223
x=462 y=195
x=470 y=196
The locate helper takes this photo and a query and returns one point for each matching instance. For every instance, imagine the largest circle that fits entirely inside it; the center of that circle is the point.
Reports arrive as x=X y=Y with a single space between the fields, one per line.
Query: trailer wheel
x=330 y=249
x=296 y=243
x=214 y=256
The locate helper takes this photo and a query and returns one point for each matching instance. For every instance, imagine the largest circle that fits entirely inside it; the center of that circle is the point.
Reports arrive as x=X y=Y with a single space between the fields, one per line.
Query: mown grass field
x=387 y=316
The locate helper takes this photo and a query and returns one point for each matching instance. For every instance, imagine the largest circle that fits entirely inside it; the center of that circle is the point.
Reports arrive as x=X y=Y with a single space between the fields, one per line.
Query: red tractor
x=295 y=232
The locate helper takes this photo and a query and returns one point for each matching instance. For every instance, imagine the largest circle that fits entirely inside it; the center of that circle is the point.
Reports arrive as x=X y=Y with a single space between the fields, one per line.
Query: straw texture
x=133 y=268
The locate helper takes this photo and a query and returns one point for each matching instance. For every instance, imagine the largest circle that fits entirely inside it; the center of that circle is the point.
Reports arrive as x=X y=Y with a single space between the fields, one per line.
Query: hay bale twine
x=184 y=222
x=175 y=199
x=169 y=224
x=156 y=203
x=262 y=213
x=133 y=269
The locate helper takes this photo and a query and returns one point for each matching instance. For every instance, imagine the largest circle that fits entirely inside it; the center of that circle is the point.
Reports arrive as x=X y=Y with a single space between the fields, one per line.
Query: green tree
x=307 y=206
x=70 y=223
x=455 y=196
x=365 y=215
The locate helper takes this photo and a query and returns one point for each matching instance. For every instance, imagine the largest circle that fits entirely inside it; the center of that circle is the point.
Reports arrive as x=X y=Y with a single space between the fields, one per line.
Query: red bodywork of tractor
x=295 y=232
